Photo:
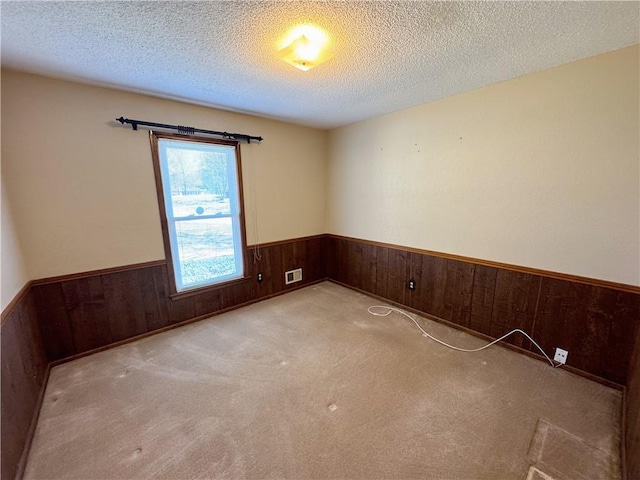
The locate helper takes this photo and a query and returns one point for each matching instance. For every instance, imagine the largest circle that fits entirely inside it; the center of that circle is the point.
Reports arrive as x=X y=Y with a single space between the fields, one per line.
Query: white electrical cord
x=257 y=254
x=424 y=333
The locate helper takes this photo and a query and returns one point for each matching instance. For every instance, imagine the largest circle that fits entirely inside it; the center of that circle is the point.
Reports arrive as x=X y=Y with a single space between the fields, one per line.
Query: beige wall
x=541 y=171
x=14 y=272
x=82 y=186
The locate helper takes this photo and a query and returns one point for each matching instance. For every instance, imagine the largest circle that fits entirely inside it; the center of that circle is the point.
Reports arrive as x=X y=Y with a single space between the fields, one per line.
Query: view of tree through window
x=202 y=207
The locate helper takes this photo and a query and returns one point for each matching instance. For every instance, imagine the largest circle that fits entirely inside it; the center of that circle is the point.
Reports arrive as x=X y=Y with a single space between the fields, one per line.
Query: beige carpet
x=309 y=385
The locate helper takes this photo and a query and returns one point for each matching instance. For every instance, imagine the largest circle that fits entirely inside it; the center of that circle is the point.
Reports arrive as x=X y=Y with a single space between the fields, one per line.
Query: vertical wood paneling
x=444 y=288
x=327 y=256
x=311 y=269
x=251 y=264
x=632 y=405
x=207 y=302
x=341 y=259
x=263 y=262
x=514 y=305
x=85 y=304
x=154 y=318
x=458 y=291
x=578 y=318
x=354 y=264
x=170 y=311
x=81 y=314
x=413 y=271
x=596 y=324
x=276 y=271
x=599 y=326
x=396 y=275
x=23 y=367
x=625 y=326
x=369 y=267
x=54 y=321
x=271 y=265
x=423 y=295
x=432 y=289
x=288 y=258
x=123 y=301
x=300 y=255
x=484 y=289
x=382 y=272
x=330 y=257
x=235 y=295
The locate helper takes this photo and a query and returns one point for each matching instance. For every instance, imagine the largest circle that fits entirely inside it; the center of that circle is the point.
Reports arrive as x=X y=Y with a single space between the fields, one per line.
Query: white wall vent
x=293 y=276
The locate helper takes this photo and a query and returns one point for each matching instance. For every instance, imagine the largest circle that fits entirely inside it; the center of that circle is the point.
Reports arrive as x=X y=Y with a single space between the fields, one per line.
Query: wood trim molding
x=93 y=273
x=209 y=288
x=7 y=310
x=285 y=242
x=505 y=266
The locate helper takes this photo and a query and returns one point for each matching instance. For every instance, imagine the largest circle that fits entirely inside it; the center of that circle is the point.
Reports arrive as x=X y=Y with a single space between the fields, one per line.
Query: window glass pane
x=199 y=204
x=205 y=249
x=201 y=178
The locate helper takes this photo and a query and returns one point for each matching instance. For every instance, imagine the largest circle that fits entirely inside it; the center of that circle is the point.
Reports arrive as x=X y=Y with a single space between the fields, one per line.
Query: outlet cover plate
x=561 y=356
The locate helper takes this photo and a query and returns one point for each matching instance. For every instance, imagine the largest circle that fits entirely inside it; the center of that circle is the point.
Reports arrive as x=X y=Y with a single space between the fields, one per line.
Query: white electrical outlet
x=561 y=356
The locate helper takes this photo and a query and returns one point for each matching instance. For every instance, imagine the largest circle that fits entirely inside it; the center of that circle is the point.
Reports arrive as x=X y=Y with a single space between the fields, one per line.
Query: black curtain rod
x=189 y=130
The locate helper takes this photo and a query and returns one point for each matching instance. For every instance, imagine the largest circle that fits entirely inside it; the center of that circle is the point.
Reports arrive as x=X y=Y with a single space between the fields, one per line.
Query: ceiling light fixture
x=305 y=47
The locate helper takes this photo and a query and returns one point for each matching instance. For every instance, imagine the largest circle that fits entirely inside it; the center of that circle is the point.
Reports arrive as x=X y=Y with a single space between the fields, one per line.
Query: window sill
x=209 y=288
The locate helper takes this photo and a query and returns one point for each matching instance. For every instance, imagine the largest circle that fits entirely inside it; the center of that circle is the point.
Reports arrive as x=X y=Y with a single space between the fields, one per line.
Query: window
x=200 y=196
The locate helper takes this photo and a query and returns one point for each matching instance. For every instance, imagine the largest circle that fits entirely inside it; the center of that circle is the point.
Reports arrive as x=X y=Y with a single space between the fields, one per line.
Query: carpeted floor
x=309 y=385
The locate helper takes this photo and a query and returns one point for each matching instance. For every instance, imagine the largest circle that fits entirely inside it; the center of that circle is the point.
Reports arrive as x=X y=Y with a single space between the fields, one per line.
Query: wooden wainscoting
x=61 y=318
x=595 y=321
x=24 y=377
x=632 y=415
x=93 y=310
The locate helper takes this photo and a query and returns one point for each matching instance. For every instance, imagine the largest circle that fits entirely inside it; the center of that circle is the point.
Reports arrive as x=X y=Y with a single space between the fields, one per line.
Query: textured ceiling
x=389 y=55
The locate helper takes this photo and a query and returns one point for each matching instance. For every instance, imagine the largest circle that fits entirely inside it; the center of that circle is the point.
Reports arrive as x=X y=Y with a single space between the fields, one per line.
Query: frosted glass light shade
x=304 y=53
